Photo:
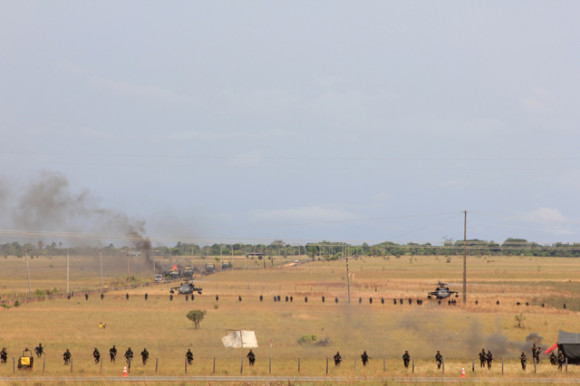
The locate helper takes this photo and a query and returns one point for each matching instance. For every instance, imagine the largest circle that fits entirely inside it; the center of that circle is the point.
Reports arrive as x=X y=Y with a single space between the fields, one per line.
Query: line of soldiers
x=406 y=359
x=485 y=358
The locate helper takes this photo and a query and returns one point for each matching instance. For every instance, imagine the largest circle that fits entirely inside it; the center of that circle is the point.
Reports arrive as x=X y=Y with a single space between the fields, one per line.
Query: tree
x=196 y=316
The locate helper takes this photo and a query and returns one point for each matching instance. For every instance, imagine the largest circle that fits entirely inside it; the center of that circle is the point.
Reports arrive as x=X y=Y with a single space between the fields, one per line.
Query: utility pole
x=465 y=258
x=347 y=275
x=67 y=272
x=101 y=258
x=28 y=270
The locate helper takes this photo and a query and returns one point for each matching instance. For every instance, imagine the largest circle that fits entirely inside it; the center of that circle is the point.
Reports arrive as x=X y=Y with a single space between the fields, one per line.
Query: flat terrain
x=383 y=330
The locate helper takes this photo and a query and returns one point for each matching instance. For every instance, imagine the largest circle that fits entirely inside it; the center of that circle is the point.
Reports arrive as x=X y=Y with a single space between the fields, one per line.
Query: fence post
x=566 y=364
x=13 y=365
x=384 y=364
x=298 y=365
x=43 y=364
x=101 y=368
x=213 y=371
x=270 y=366
x=156 y=364
x=473 y=365
x=242 y=366
x=502 y=366
x=326 y=366
x=413 y=365
x=534 y=364
x=71 y=365
x=443 y=364
x=185 y=365
x=355 y=366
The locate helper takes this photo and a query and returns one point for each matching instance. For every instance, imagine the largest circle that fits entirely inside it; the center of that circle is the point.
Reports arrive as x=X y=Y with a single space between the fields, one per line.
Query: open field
x=384 y=330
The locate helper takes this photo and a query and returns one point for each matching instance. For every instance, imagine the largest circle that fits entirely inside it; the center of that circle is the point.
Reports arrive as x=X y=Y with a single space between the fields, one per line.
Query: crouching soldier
x=337 y=359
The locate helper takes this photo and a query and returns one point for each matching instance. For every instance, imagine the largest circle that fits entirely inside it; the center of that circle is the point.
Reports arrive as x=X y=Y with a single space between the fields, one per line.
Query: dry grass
x=384 y=330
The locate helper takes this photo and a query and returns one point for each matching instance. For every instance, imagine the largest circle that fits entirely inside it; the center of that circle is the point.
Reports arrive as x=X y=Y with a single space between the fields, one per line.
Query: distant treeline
x=325 y=249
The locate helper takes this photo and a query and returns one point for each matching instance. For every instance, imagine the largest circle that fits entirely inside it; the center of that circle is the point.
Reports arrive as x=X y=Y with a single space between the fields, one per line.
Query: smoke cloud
x=48 y=205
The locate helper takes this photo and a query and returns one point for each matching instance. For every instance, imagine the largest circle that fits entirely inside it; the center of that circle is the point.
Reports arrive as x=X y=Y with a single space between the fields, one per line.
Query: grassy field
x=383 y=330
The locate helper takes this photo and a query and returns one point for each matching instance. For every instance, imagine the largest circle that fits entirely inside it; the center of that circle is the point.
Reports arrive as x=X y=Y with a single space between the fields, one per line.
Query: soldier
x=96 y=355
x=113 y=353
x=561 y=360
x=534 y=351
x=287 y=298
x=553 y=359
x=3 y=355
x=251 y=358
x=39 y=350
x=217 y=298
x=382 y=300
x=189 y=356
x=86 y=296
x=102 y=296
x=489 y=359
x=146 y=296
x=127 y=296
x=406 y=359
x=336 y=299
x=144 y=356
x=323 y=299
x=171 y=297
x=394 y=301
x=305 y=299
x=371 y=300
x=239 y=298
x=66 y=357
x=537 y=355
x=438 y=359
x=337 y=359
x=262 y=298
x=523 y=359
x=291 y=299
x=129 y=355
x=365 y=358
x=482 y=358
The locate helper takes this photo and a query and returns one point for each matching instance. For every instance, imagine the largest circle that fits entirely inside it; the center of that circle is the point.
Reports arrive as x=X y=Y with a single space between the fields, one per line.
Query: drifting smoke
x=436 y=330
x=48 y=205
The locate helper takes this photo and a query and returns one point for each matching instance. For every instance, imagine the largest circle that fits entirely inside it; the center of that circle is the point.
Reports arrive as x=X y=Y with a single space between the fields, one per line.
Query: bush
x=308 y=338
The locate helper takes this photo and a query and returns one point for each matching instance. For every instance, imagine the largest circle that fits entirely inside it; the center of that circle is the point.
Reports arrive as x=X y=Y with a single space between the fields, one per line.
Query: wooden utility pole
x=465 y=258
x=101 y=258
x=67 y=272
x=347 y=275
x=28 y=270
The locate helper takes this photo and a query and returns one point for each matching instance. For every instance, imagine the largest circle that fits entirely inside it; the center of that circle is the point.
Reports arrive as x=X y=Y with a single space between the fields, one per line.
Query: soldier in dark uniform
x=102 y=296
x=489 y=358
x=262 y=298
x=534 y=351
x=39 y=350
x=113 y=353
x=146 y=296
x=537 y=355
x=337 y=359
x=3 y=355
x=251 y=358
x=66 y=356
x=561 y=360
x=523 y=359
x=126 y=296
x=189 y=356
x=129 y=355
x=406 y=359
x=144 y=355
x=438 y=359
x=482 y=358
x=336 y=299
x=86 y=296
x=553 y=359
x=96 y=355
x=365 y=358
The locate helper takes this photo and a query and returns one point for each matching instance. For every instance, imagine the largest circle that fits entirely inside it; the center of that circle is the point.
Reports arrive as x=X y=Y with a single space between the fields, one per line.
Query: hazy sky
x=300 y=120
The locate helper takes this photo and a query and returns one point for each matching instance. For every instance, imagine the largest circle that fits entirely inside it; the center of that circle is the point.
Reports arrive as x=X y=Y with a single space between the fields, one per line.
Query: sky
x=301 y=121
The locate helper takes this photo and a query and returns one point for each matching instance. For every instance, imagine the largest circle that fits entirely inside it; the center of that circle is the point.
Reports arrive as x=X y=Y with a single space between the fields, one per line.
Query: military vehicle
x=158 y=278
x=186 y=288
x=187 y=273
x=442 y=292
x=226 y=265
x=26 y=360
x=209 y=267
